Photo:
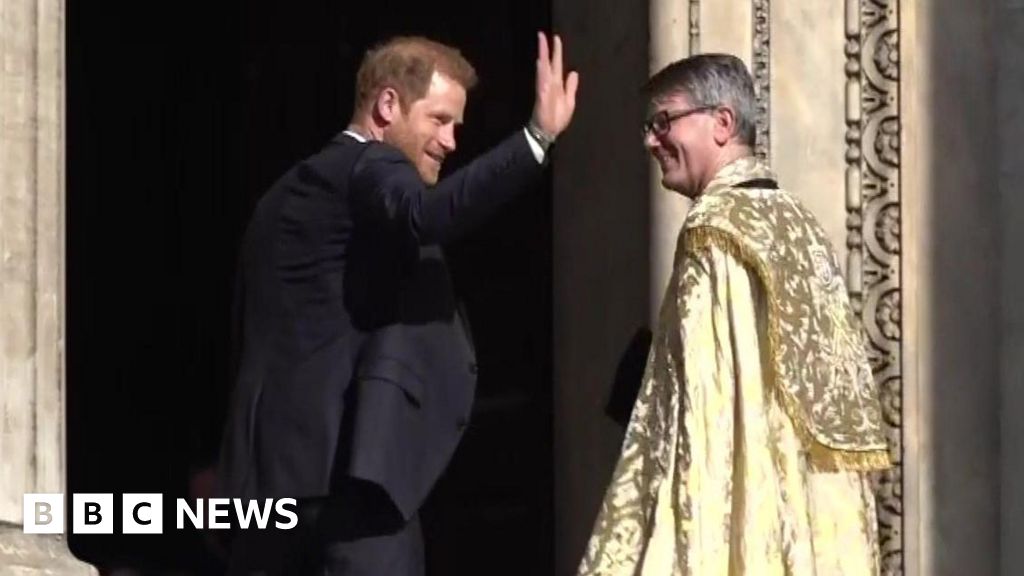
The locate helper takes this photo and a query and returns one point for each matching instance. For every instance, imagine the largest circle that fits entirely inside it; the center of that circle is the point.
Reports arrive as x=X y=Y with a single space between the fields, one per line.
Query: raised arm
x=387 y=191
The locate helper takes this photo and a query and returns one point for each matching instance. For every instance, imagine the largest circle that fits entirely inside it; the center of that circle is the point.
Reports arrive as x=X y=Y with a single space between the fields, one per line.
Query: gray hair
x=711 y=80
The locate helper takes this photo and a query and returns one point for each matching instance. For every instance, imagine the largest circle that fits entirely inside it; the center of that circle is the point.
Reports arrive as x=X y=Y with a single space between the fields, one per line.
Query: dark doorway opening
x=179 y=116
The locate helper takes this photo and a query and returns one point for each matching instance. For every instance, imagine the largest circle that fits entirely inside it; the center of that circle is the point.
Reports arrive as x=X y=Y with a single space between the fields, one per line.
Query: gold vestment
x=758 y=419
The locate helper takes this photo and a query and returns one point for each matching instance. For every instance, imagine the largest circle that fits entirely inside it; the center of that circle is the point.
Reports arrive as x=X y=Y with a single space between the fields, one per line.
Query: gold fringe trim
x=822 y=457
x=825 y=459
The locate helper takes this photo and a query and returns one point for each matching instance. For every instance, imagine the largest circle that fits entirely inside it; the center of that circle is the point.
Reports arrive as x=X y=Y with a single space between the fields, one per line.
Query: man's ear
x=725 y=124
x=388 y=106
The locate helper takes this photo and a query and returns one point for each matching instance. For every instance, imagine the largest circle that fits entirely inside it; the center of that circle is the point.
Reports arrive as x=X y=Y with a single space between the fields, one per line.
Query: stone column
x=950 y=271
x=675 y=34
x=31 y=276
x=1010 y=86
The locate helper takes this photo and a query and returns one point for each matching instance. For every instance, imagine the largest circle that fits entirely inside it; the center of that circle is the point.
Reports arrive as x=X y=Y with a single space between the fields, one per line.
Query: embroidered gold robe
x=758 y=419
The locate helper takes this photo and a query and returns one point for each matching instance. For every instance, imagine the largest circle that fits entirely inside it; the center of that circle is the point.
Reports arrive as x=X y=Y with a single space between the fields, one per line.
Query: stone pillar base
x=31 y=554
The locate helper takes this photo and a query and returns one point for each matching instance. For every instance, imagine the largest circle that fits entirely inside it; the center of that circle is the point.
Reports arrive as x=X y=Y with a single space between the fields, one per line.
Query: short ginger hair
x=407 y=63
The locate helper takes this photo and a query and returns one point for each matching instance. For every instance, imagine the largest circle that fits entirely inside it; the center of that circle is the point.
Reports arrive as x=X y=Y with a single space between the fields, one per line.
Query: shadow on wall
x=961 y=227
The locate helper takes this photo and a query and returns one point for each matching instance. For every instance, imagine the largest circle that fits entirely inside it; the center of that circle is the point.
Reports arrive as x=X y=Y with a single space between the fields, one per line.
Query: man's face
x=425 y=131
x=685 y=149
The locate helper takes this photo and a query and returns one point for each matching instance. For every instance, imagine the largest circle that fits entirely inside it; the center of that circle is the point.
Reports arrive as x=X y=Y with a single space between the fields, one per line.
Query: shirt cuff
x=535 y=147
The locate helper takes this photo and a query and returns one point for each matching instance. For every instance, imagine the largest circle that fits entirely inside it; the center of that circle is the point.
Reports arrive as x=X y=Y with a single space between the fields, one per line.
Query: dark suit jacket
x=354 y=362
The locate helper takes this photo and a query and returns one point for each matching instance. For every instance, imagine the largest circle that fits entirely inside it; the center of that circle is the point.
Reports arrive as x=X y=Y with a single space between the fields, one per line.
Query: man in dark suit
x=356 y=374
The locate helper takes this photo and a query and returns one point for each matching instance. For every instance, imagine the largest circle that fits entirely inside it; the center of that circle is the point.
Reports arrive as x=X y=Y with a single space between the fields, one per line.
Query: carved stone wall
x=694 y=27
x=859 y=183
x=761 y=70
x=873 y=203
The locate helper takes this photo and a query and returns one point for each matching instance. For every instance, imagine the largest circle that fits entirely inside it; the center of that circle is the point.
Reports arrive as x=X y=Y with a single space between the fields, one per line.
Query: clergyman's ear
x=725 y=124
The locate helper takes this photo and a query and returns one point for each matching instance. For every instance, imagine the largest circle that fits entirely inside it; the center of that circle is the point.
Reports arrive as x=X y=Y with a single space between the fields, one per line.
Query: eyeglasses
x=661 y=122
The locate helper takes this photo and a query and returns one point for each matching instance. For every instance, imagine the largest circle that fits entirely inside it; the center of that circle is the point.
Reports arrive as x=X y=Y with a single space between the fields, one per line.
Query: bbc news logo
x=144 y=513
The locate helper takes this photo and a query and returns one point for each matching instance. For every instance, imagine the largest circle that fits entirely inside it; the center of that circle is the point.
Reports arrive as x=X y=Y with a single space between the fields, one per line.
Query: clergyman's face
x=684 y=151
x=425 y=130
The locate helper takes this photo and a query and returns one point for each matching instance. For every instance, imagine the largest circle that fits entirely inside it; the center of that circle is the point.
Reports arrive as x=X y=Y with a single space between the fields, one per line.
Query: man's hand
x=556 y=95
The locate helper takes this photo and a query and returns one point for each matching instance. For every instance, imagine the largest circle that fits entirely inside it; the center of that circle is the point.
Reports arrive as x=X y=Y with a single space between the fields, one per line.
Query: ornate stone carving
x=887 y=315
x=761 y=64
x=887 y=58
x=887 y=229
x=873 y=231
x=694 y=27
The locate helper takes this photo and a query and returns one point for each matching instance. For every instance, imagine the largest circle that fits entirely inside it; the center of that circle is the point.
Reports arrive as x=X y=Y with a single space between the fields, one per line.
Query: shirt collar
x=358 y=137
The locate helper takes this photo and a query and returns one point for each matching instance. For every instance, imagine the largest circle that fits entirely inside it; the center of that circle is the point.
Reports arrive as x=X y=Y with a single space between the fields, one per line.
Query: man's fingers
x=543 y=60
x=571 y=84
x=556 y=60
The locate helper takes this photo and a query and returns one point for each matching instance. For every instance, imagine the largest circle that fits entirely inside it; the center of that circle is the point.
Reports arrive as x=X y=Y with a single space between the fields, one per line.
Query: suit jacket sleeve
x=387 y=192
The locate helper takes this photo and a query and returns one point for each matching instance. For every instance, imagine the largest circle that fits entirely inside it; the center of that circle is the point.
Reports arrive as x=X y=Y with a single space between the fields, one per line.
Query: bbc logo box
x=43 y=513
x=93 y=513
